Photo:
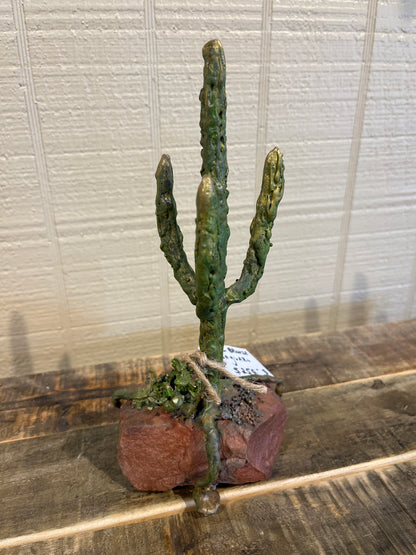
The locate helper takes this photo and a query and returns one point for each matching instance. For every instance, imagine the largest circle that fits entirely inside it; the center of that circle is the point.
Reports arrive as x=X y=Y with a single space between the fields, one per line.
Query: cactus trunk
x=211 y=335
x=209 y=258
x=212 y=231
x=205 y=286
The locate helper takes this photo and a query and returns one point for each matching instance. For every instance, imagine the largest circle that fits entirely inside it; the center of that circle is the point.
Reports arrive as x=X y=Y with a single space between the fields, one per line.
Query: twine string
x=198 y=360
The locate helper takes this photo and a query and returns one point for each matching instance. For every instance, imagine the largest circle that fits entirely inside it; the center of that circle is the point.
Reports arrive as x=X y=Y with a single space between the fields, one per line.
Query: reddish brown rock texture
x=158 y=452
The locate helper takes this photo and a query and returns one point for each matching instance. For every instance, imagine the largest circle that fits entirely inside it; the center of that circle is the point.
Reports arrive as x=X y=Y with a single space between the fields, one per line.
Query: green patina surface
x=205 y=286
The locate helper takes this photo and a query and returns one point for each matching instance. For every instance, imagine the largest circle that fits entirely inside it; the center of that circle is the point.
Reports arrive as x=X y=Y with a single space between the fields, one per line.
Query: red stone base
x=158 y=452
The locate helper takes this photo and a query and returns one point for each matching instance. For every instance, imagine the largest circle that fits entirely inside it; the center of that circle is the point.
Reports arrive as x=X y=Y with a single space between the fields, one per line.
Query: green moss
x=179 y=390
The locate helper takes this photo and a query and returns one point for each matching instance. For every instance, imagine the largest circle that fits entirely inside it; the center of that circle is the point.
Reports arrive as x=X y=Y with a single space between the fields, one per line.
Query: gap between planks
x=167 y=508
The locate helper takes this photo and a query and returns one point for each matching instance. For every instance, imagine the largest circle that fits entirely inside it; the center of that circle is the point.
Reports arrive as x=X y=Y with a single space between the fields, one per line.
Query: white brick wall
x=92 y=93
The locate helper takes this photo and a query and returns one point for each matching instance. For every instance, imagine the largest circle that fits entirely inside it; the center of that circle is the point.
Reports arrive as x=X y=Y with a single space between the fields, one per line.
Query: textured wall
x=92 y=93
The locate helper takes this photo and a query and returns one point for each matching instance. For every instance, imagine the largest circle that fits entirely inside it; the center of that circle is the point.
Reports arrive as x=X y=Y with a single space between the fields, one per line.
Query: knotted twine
x=198 y=360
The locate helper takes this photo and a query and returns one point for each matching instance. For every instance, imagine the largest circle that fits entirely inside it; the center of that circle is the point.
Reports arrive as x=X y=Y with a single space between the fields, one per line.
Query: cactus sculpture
x=180 y=391
x=205 y=286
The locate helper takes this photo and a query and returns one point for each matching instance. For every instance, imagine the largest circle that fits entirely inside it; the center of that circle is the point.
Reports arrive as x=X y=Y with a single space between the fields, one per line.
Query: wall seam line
x=261 y=132
x=355 y=146
x=154 y=109
x=42 y=169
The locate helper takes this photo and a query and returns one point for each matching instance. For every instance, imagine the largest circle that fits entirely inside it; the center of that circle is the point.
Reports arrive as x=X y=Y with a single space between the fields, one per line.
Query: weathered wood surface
x=368 y=513
x=346 y=406
x=73 y=476
x=42 y=404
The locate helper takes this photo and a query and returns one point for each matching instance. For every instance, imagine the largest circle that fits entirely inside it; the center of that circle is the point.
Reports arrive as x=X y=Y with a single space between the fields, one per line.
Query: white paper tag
x=242 y=363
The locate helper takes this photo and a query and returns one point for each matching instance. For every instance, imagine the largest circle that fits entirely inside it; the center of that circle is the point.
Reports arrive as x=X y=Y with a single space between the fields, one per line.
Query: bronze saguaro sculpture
x=205 y=286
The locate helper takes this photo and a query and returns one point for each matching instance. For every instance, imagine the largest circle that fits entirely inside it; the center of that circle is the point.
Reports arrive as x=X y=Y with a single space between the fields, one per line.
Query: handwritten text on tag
x=242 y=363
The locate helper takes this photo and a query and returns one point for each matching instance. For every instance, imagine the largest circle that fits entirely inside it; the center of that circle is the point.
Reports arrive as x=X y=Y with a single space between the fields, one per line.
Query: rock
x=158 y=451
x=248 y=452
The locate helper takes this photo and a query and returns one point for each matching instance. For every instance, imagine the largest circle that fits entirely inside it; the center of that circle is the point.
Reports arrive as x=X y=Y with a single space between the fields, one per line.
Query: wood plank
x=73 y=476
x=385 y=345
x=48 y=403
x=319 y=359
x=322 y=355
x=41 y=404
x=313 y=360
x=89 y=381
x=370 y=512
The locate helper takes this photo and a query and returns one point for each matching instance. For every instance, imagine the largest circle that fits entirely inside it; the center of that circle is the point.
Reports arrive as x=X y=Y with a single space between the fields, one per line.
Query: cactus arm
x=260 y=229
x=210 y=288
x=171 y=239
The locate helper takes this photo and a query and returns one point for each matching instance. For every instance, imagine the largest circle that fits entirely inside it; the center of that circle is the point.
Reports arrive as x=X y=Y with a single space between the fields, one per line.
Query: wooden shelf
x=345 y=480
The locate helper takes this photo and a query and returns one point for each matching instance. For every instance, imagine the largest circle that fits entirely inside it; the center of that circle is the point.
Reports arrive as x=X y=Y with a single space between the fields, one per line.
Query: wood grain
x=74 y=475
x=47 y=403
x=343 y=481
x=372 y=512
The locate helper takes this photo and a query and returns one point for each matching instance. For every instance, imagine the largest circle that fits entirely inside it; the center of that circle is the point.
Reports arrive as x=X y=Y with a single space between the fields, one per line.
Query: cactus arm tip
x=163 y=166
x=261 y=228
x=275 y=160
x=171 y=239
x=213 y=48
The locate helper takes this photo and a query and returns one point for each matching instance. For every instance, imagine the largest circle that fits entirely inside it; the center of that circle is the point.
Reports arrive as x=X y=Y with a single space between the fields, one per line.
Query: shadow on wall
x=312 y=322
x=356 y=312
x=19 y=345
x=360 y=305
x=381 y=317
x=64 y=362
x=21 y=359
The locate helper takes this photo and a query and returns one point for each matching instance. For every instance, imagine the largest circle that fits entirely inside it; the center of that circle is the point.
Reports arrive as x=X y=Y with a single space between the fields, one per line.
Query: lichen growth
x=240 y=407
